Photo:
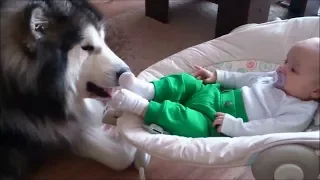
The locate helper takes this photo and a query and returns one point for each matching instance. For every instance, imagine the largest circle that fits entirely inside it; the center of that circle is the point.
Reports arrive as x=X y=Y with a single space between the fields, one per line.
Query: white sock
x=145 y=89
x=126 y=100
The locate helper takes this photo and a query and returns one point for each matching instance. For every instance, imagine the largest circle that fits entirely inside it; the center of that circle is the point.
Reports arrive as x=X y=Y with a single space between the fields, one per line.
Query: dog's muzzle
x=97 y=90
x=121 y=71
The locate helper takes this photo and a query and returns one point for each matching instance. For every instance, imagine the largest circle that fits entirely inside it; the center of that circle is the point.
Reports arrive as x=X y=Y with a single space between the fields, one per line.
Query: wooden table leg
x=298 y=7
x=157 y=9
x=234 y=13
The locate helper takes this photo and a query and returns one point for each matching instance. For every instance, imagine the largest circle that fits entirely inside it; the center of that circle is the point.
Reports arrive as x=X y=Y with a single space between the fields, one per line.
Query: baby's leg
x=176 y=87
x=126 y=100
x=177 y=119
x=173 y=117
x=144 y=89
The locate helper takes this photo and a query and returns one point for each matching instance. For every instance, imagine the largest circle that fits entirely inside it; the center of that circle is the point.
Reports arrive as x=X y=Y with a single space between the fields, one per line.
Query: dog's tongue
x=110 y=91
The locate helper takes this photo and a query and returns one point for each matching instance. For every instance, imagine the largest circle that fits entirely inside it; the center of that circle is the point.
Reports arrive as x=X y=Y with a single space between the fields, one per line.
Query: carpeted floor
x=142 y=41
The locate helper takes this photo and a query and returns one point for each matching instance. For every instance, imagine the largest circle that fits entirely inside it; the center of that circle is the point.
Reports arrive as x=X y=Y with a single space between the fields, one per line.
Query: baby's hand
x=205 y=75
x=218 y=121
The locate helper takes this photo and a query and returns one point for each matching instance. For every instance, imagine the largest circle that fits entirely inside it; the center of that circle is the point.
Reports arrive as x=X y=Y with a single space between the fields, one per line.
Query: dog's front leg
x=111 y=115
x=106 y=146
x=100 y=113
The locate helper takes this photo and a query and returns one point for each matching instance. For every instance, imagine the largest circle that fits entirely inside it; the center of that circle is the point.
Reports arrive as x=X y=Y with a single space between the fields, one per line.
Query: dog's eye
x=87 y=48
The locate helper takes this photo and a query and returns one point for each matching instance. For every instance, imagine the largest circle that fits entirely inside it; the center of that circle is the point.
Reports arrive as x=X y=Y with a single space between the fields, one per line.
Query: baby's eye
x=293 y=70
x=285 y=61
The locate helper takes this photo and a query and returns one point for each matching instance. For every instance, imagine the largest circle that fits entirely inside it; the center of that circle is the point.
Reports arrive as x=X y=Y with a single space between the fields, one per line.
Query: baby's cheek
x=293 y=84
x=301 y=86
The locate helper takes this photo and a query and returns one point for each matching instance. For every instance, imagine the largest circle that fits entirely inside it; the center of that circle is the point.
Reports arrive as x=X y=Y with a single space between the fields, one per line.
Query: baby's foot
x=145 y=89
x=126 y=100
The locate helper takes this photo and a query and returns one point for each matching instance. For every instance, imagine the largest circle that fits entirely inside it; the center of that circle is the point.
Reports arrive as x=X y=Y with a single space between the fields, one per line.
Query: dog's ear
x=38 y=20
x=35 y=19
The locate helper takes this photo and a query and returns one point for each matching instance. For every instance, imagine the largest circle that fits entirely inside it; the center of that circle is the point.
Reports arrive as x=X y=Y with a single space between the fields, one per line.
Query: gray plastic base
x=286 y=160
x=141 y=163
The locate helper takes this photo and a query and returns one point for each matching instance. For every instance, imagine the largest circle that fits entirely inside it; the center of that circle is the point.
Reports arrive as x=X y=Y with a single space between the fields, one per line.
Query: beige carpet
x=142 y=41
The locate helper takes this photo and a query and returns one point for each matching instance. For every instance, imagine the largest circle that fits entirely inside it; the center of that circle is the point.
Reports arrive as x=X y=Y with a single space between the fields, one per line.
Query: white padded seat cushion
x=267 y=42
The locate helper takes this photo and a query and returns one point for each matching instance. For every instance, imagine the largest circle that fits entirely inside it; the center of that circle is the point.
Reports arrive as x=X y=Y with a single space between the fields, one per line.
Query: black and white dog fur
x=53 y=57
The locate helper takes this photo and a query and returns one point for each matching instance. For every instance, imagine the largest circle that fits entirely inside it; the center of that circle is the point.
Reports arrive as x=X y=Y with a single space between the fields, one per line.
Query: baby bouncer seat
x=254 y=47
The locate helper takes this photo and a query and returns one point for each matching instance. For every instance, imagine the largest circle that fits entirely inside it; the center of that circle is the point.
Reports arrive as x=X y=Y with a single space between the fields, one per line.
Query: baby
x=220 y=103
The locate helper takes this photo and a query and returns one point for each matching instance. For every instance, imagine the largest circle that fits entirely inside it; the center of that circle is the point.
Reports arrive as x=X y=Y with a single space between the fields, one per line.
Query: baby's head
x=301 y=70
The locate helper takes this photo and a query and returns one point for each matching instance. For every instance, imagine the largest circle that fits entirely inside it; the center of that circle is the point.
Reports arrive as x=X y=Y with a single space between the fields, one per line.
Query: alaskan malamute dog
x=53 y=57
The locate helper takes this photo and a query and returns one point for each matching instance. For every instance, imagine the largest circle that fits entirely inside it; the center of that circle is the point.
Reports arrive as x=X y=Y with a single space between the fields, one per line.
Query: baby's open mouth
x=98 y=91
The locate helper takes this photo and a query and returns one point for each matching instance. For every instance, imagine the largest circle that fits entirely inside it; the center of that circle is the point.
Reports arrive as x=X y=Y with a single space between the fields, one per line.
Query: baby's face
x=301 y=70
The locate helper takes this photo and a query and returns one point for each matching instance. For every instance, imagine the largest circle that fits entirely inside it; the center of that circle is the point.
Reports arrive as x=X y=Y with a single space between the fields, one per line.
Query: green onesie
x=184 y=106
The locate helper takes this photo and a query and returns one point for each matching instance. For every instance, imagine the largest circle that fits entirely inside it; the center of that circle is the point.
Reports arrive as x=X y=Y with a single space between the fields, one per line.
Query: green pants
x=184 y=106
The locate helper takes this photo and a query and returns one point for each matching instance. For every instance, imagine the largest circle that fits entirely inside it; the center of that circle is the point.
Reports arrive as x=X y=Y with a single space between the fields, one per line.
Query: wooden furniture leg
x=232 y=14
x=157 y=9
x=298 y=7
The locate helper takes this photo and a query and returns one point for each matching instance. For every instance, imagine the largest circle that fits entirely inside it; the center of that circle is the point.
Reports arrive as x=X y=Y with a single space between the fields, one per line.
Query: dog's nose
x=121 y=71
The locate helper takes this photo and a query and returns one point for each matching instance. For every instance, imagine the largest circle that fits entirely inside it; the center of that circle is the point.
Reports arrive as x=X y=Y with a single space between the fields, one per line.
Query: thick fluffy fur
x=50 y=51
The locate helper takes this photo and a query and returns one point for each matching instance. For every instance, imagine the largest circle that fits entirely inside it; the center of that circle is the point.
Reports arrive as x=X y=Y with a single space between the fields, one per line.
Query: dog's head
x=51 y=44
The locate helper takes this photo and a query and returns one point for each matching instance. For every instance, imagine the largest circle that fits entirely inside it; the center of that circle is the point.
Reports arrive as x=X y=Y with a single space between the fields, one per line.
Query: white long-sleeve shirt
x=269 y=109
